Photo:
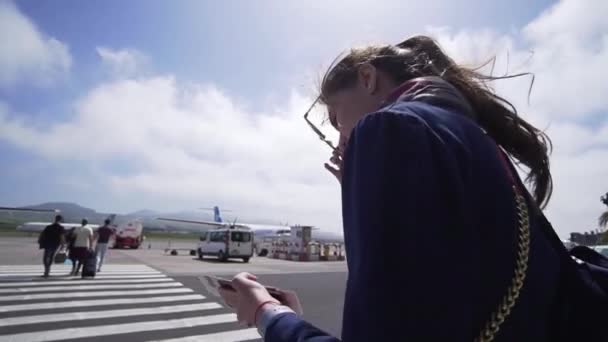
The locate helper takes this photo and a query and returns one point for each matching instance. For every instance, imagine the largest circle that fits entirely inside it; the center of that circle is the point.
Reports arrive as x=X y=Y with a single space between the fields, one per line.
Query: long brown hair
x=421 y=56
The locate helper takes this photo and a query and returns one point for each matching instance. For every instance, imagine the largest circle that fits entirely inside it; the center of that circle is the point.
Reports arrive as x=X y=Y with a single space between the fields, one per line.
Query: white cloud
x=122 y=63
x=27 y=55
x=189 y=143
x=566 y=47
x=569 y=42
x=571 y=50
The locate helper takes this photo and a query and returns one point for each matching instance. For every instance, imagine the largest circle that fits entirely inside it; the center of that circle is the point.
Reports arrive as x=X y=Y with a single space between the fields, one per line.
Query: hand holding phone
x=285 y=297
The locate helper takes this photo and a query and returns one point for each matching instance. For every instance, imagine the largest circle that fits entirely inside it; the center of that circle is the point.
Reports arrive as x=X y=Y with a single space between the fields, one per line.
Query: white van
x=227 y=243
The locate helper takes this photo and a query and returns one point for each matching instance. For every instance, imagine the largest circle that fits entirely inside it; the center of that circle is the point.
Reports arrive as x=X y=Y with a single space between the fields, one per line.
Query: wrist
x=266 y=305
x=268 y=314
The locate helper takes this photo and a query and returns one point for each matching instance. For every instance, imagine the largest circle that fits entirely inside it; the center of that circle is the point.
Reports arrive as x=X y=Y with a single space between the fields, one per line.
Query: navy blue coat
x=430 y=231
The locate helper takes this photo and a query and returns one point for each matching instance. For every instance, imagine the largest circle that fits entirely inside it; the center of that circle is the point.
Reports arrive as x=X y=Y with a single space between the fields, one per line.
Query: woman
x=426 y=165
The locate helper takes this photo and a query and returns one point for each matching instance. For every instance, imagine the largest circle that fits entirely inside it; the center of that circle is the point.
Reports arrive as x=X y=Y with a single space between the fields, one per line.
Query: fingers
x=336 y=159
x=246 y=297
x=245 y=275
x=231 y=298
x=342 y=142
x=290 y=298
x=249 y=276
x=334 y=171
x=337 y=153
x=244 y=280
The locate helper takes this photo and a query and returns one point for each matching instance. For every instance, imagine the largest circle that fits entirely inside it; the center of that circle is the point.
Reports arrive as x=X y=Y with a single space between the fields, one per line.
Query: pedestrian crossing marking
x=128 y=292
x=90 y=287
x=73 y=316
x=67 y=268
x=57 y=283
x=113 y=266
x=61 y=271
x=115 y=329
x=226 y=336
x=91 y=294
x=57 y=273
x=99 y=276
x=99 y=302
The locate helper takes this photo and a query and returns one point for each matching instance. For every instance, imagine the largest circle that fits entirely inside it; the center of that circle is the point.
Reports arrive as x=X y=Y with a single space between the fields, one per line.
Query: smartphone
x=213 y=283
x=286 y=297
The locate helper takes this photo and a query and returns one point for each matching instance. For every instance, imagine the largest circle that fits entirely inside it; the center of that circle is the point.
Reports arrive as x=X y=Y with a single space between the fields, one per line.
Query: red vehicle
x=129 y=234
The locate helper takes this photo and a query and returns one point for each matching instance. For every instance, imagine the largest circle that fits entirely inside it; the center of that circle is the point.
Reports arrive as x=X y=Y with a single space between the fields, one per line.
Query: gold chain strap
x=521 y=266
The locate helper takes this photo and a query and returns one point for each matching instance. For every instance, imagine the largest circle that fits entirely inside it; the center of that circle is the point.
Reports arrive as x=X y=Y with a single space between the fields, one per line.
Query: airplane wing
x=211 y=223
x=29 y=209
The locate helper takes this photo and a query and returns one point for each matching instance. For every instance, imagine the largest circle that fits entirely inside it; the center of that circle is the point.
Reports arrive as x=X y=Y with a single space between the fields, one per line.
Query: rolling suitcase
x=89 y=267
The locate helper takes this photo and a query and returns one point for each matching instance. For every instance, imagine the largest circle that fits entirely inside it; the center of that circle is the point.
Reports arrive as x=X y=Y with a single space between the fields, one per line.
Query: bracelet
x=270 y=315
x=257 y=310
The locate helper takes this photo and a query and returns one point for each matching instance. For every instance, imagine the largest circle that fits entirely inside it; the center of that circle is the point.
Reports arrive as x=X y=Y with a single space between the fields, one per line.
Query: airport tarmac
x=15 y=251
x=147 y=295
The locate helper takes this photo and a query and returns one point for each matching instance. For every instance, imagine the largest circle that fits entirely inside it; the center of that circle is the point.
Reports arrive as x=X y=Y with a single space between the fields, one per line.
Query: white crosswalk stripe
x=91 y=294
x=114 y=329
x=71 y=316
x=99 y=302
x=89 y=287
x=226 y=336
x=99 y=276
x=57 y=273
x=68 y=267
x=80 y=282
x=119 y=302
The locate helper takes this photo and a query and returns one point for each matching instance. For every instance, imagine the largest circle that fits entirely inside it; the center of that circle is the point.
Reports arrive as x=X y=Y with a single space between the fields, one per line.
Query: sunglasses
x=317 y=130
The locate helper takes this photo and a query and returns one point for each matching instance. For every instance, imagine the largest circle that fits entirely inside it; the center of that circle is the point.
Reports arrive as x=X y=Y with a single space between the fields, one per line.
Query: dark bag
x=583 y=297
x=581 y=307
x=42 y=239
x=70 y=240
x=61 y=256
x=89 y=268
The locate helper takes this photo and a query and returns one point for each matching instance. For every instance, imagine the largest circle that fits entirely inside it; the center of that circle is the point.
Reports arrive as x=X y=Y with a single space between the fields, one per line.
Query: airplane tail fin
x=216 y=215
x=111 y=218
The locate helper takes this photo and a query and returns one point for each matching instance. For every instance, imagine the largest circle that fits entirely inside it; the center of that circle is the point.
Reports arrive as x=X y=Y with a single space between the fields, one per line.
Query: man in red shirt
x=103 y=235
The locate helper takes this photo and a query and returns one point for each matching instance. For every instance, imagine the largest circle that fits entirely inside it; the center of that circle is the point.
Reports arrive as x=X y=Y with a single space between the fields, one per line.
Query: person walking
x=83 y=243
x=70 y=238
x=51 y=239
x=102 y=236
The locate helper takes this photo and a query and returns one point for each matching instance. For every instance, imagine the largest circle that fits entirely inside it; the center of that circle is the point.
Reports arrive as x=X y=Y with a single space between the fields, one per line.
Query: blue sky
x=125 y=105
x=250 y=49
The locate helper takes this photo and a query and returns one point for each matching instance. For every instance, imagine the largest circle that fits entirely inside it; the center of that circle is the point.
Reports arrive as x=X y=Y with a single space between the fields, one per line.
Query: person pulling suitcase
x=89 y=266
x=83 y=243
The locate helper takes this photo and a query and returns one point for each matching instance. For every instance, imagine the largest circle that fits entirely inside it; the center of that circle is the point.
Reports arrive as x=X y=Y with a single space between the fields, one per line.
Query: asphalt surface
x=147 y=295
